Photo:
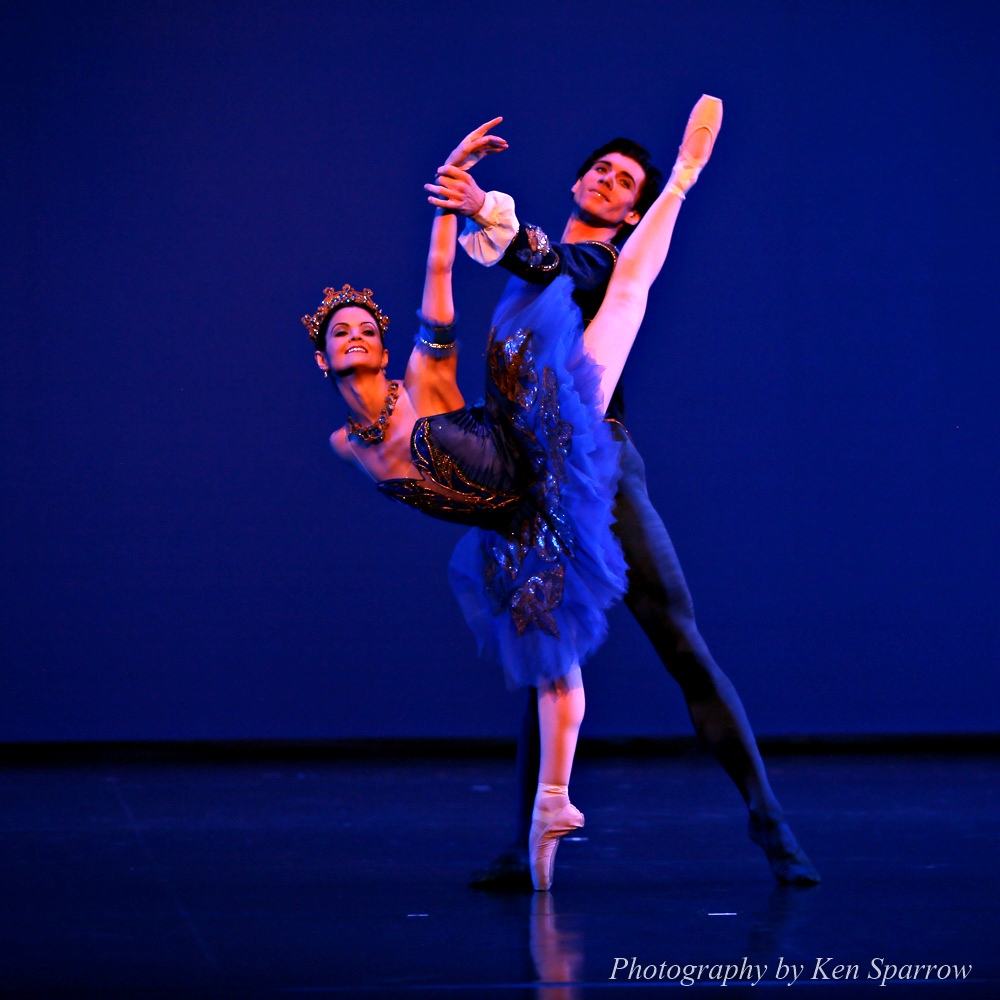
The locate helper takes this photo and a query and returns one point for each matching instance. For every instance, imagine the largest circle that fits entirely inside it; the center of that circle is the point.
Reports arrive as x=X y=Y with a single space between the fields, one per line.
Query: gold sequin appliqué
x=558 y=432
x=512 y=368
x=535 y=600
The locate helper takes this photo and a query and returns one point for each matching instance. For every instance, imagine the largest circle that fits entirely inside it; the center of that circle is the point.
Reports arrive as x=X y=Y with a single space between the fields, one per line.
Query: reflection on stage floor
x=336 y=877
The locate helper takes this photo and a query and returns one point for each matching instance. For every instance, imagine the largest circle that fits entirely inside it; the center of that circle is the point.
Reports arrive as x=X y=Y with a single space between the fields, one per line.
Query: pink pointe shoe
x=544 y=839
x=696 y=147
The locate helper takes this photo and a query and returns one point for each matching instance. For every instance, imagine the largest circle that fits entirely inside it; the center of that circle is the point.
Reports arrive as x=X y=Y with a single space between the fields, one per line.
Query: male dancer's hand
x=455 y=190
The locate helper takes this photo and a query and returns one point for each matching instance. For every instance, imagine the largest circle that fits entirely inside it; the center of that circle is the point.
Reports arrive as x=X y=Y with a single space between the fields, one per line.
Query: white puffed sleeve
x=491 y=230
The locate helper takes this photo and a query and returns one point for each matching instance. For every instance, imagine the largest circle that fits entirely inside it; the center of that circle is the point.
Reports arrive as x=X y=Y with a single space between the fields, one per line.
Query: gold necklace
x=374 y=433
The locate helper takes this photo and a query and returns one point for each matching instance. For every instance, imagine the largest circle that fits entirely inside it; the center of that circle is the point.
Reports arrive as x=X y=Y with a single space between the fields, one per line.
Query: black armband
x=437 y=340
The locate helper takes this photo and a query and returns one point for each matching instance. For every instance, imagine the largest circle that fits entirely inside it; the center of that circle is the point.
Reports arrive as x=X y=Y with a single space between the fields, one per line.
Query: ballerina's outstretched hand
x=453 y=189
x=431 y=372
x=475 y=146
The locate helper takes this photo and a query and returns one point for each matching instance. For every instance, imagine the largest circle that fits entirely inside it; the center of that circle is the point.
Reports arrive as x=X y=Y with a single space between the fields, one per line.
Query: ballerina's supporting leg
x=560 y=712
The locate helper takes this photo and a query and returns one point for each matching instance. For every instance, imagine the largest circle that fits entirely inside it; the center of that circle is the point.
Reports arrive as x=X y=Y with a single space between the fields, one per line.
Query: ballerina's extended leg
x=610 y=336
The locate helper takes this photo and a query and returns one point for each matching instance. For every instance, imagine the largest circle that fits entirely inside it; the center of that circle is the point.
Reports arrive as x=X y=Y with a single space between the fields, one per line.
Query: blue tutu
x=535 y=587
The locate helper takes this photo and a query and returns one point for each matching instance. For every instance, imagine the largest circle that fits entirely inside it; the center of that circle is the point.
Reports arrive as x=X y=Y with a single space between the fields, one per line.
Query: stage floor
x=333 y=878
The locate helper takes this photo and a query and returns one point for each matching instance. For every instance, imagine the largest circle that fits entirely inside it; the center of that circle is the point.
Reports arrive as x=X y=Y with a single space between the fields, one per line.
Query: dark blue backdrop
x=814 y=387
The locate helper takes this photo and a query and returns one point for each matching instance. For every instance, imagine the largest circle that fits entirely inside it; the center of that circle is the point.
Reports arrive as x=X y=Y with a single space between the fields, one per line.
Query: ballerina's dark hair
x=335 y=299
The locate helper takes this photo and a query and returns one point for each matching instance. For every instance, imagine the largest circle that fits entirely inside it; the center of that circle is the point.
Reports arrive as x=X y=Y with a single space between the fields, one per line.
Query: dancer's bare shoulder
x=340 y=444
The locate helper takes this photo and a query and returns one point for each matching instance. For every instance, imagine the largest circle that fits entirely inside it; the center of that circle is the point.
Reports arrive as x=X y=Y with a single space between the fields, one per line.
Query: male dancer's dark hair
x=651 y=186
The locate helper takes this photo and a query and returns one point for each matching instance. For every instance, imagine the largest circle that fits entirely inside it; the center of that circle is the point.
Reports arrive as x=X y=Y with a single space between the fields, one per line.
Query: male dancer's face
x=605 y=194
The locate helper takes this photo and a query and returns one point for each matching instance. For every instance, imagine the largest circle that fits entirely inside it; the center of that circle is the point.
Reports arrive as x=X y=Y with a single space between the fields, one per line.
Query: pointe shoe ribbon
x=544 y=839
x=696 y=147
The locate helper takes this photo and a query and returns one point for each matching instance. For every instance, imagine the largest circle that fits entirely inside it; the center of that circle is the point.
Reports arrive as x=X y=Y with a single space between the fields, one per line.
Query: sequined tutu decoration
x=535 y=589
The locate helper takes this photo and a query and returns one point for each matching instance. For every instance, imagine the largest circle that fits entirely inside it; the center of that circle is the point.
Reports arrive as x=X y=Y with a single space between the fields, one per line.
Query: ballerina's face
x=608 y=190
x=353 y=343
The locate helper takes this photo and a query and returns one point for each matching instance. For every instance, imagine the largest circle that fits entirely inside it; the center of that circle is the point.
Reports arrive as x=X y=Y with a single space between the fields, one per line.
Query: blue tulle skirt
x=536 y=591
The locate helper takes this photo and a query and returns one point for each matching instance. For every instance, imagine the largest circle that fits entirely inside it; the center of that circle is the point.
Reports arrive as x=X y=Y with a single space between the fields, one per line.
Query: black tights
x=658 y=596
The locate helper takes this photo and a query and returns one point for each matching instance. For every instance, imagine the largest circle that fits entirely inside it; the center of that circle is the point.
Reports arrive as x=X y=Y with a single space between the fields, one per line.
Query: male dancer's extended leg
x=659 y=598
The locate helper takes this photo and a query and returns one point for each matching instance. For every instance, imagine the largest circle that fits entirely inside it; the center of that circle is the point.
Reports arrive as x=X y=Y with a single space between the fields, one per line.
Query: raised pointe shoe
x=696 y=147
x=789 y=863
x=544 y=839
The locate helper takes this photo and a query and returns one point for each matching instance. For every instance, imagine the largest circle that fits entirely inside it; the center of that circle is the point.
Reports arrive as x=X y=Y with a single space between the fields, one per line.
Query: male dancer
x=613 y=187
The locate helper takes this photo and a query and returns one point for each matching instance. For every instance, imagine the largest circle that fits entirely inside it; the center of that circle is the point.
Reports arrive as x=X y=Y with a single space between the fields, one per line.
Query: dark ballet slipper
x=507 y=872
x=788 y=861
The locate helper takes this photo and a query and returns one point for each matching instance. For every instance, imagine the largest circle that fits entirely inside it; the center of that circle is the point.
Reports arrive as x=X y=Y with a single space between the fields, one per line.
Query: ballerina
x=533 y=470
